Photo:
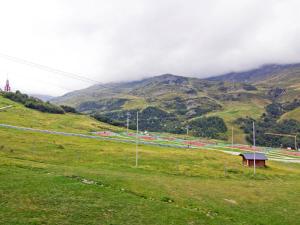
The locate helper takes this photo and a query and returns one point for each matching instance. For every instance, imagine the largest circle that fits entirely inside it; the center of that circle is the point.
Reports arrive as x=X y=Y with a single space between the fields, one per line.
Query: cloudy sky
x=117 y=40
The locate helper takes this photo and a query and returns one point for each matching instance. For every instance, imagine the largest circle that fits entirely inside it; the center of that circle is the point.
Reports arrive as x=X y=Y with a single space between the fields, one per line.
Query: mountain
x=171 y=102
x=42 y=97
x=260 y=74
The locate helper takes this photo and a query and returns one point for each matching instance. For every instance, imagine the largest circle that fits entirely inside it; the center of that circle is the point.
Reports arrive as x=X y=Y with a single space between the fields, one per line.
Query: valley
x=54 y=179
x=170 y=103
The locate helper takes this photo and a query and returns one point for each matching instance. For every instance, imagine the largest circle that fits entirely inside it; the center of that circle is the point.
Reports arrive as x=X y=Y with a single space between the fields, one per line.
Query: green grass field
x=51 y=179
x=294 y=114
x=234 y=110
x=21 y=116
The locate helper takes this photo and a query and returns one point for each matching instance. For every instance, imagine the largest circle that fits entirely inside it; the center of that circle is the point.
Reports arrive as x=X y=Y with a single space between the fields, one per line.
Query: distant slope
x=21 y=116
x=175 y=99
x=256 y=75
x=233 y=110
x=294 y=114
x=184 y=99
x=42 y=97
x=268 y=78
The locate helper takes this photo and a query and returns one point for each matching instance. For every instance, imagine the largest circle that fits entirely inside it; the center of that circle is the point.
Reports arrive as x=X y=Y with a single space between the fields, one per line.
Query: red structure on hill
x=7 y=86
x=248 y=159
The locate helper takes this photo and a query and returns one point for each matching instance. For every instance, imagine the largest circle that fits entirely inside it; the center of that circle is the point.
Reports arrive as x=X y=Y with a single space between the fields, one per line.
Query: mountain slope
x=180 y=100
x=257 y=75
x=19 y=116
x=42 y=97
x=294 y=114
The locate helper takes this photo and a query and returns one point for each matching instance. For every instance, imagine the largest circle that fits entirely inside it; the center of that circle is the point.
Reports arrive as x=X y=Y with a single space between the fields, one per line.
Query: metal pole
x=137 y=140
x=127 y=122
x=286 y=135
x=232 y=137
x=254 y=145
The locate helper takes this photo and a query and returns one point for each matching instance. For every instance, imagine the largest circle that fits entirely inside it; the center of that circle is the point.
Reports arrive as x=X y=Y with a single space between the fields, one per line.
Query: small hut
x=248 y=159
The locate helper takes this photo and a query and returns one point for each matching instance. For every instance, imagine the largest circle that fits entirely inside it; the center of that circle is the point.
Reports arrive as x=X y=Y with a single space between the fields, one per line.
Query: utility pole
x=296 y=146
x=7 y=86
x=187 y=130
x=137 y=140
x=232 y=137
x=128 y=114
x=287 y=135
x=254 y=145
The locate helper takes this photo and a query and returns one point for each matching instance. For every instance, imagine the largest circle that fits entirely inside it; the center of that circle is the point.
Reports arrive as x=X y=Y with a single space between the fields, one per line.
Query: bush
x=249 y=87
x=150 y=119
x=33 y=103
x=275 y=110
x=211 y=127
x=68 y=109
x=270 y=125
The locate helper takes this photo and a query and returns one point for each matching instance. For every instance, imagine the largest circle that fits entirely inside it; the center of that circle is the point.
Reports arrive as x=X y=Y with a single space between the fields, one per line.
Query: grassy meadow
x=51 y=179
x=294 y=114
x=21 y=116
x=234 y=110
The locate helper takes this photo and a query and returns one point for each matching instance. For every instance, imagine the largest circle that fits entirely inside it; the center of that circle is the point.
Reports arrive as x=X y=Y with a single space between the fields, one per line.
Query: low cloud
x=126 y=40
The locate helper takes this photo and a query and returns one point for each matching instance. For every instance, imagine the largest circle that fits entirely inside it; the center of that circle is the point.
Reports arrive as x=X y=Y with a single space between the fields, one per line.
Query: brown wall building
x=248 y=159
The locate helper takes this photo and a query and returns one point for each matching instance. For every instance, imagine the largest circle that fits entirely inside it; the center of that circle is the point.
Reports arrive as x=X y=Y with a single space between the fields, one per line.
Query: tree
x=211 y=127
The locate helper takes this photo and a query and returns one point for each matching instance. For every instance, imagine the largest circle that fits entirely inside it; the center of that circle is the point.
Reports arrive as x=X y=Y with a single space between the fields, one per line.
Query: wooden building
x=248 y=159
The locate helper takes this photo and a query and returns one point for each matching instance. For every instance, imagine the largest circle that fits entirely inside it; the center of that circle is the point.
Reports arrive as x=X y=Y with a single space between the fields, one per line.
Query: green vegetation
x=294 y=114
x=68 y=109
x=211 y=127
x=276 y=109
x=64 y=180
x=101 y=105
x=33 y=103
x=270 y=122
x=150 y=119
x=231 y=96
x=234 y=109
x=51 y=179
x=69 y=122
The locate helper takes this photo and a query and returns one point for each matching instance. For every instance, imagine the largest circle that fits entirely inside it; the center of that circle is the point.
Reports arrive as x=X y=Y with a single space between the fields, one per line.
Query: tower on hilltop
x=7 y=86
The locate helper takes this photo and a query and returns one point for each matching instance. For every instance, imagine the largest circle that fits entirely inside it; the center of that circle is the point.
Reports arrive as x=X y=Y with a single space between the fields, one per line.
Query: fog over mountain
x=116 y=40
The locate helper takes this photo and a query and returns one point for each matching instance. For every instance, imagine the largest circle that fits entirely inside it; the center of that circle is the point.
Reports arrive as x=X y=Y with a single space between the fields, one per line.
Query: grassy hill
x=51 y=179
x=21 y=116
x=233 y=110
x=294 y=114
x=256 y=75
x=181 y=99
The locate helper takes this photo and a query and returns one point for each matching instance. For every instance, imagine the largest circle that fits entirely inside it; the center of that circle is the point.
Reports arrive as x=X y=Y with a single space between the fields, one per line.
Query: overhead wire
x=51 y=69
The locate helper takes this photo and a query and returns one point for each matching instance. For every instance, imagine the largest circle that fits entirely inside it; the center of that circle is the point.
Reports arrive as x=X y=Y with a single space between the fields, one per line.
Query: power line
x=50 y=69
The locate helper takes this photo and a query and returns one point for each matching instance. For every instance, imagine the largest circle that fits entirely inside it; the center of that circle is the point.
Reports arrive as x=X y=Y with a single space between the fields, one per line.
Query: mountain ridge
x=254 y=75
x=189 y=98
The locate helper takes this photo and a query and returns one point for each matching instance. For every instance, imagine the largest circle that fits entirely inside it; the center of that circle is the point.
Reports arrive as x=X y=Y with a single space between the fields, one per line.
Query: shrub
x=68 y=109
x=211 y=127
x=33 y=103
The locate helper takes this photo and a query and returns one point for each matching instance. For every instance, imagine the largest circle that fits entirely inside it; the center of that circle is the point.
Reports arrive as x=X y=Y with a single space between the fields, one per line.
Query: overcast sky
x=118 y=40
